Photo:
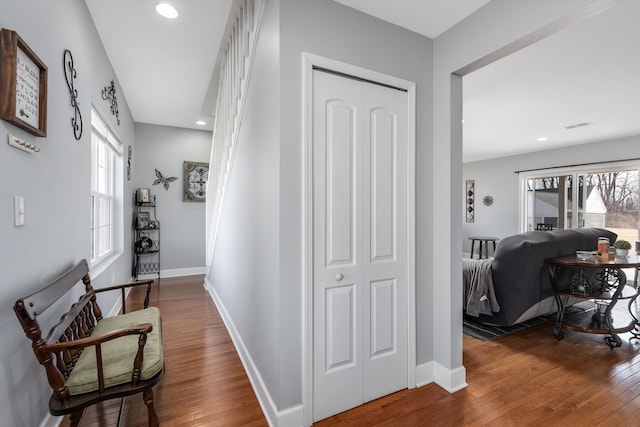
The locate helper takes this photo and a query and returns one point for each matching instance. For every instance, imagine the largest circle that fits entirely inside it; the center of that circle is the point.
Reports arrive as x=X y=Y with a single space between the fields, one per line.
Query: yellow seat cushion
x=118 y=355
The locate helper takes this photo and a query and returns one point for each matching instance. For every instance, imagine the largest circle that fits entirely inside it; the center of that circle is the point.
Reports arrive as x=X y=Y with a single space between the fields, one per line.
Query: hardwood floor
x=204 y=383
x=524 y=379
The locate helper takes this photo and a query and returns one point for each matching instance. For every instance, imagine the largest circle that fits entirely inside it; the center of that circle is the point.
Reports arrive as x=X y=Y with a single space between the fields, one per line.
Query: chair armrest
x=124 y=286
x=143 y=328
x=97 y=341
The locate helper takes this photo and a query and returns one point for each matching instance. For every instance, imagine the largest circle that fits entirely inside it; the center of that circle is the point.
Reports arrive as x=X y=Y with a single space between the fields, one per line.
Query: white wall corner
x=424 y=374
x=451 y=380
x=290 y=417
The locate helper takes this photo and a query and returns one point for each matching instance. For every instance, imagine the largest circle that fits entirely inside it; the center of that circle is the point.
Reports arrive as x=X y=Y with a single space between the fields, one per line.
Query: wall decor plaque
x=23 y=85
x=470 y=198
x=195 y=177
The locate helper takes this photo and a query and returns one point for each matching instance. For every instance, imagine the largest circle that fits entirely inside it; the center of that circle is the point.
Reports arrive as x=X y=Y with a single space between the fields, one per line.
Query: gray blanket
x=479 y=295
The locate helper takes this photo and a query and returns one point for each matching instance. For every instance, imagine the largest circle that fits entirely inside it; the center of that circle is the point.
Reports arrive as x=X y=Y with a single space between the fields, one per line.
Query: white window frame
x=575 y=172
x=106 y=191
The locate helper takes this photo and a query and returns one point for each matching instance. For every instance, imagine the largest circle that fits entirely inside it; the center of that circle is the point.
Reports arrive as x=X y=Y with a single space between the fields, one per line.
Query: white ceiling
x=163 y=66
x=427 y=17
x=587 y=73
x=583 y=74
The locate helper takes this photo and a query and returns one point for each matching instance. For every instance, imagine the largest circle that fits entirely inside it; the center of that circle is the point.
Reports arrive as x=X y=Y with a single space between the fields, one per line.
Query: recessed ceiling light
x=167 y=10
x=542 y=139
x=201 y=122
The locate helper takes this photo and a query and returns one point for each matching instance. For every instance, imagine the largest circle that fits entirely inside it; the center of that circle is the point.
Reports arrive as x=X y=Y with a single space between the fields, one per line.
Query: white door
x=359 y=242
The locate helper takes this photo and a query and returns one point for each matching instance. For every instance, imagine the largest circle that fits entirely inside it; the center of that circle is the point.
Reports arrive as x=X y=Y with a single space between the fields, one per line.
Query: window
x=106 y=194
x=606 y=196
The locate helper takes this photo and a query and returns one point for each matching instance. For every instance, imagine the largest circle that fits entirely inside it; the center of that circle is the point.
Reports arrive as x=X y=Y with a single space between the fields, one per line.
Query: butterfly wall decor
x=164 y=180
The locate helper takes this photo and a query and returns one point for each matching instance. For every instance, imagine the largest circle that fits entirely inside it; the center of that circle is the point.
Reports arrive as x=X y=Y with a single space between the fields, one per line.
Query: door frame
x=309 y=62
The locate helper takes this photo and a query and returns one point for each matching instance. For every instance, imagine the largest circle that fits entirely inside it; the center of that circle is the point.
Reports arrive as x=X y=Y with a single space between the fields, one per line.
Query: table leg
x=632 y=310
x=558 y=332
x=613 y=340
x=473 y=243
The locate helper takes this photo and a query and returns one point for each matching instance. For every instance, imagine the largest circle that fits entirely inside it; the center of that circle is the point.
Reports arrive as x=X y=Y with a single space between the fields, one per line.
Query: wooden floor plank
x=524 y=379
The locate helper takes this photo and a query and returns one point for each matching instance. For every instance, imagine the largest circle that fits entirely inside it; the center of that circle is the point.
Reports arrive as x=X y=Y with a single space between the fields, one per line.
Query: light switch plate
x=18 y=211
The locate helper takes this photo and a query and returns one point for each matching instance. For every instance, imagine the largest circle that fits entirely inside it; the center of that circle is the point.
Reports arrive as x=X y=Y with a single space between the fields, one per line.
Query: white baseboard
x=451 y=380
x=290 y=417
x=51 y=421
x=177 y=272
x=424 y=374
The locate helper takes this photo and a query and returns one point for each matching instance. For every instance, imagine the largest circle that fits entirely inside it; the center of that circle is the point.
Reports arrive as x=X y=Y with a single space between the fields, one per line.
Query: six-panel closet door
x=359 y=242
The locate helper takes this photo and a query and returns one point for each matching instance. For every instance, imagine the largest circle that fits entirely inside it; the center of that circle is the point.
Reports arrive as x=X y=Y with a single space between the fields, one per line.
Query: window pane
x=102 y=169
x=549 y=202
x=104 y=245
x=104 y=155
x=612 y=202
x=605 y=196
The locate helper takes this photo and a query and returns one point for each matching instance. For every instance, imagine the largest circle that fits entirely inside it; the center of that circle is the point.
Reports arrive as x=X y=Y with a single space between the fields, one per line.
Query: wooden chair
x=88 y=358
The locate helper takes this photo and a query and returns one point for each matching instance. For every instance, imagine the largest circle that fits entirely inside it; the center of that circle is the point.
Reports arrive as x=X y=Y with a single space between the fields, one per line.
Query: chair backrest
x=76 y=323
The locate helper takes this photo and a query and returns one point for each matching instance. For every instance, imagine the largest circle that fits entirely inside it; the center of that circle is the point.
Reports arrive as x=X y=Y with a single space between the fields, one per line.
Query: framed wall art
x=195 y=179
x=143 y=220
x=23 y=85
x=469 y=197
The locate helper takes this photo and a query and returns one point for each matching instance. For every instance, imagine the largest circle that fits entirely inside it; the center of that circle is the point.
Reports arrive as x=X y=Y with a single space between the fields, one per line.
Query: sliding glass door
x=606 y=196
x=548 y=202
x=611 y=201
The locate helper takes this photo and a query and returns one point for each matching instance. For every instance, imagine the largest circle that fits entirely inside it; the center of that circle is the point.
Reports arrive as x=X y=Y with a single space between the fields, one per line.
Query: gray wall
x=56 y=186
x=182 y=235
x=245 y=269
x=257 y=263
x=497 y=178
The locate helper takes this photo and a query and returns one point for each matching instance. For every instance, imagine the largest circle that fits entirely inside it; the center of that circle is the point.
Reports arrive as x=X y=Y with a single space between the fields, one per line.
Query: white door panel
x=383 y=319
x=385 y=365
x=337 y=294
x=340 y=182
x=359 y=243
x=383 y=147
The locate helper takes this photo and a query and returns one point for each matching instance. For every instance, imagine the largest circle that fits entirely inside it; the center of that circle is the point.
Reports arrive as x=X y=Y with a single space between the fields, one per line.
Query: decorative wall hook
x=70 y=76
x=22 y=145
x=109 y=94
x=163 y=180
